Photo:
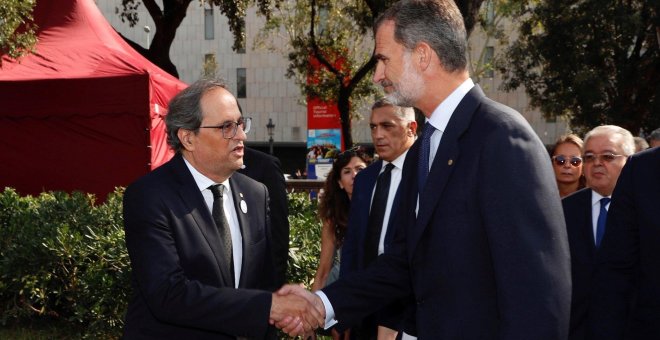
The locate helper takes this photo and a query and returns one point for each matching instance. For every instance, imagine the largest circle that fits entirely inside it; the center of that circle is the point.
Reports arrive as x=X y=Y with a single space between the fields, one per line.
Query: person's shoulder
x=257 y=157
x=581 y=195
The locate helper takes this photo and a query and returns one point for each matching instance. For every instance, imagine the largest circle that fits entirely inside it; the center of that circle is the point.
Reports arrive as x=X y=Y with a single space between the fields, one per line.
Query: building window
x=210 y=66
x=209 y=27
x=490 y=12
x=241 y=83
x=489 y=54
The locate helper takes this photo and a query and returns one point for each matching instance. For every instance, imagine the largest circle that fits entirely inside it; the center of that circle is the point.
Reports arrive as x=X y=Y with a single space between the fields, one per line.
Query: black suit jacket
x=628 y=268
x=181 y=284
x=487 y=255
x=266 y=169
x=579 y=225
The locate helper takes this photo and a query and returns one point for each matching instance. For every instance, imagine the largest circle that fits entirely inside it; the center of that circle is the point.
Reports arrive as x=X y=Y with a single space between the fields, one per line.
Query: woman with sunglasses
x=567 y=163
x=333 y=210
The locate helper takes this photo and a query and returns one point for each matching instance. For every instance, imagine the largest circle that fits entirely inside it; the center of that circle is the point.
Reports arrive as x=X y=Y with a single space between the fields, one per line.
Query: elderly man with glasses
x=198 y=233
x=605 y=151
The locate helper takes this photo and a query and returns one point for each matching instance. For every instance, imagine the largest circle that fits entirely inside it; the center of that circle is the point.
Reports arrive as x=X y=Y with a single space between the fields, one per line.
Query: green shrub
x=63 y=258
x=304 y=239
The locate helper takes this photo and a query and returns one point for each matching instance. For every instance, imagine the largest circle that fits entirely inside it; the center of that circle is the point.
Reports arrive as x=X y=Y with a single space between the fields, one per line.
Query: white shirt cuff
x=408 y=337
x=329 y=311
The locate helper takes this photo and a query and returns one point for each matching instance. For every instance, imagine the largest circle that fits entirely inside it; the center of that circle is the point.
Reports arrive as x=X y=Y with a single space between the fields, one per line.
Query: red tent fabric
x=85 y=112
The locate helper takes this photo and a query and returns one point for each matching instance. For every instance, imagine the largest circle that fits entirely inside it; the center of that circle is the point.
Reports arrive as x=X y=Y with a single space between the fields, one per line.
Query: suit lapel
x=242 y=211
x=364 y=193
x=194 y=201
x=445 y=160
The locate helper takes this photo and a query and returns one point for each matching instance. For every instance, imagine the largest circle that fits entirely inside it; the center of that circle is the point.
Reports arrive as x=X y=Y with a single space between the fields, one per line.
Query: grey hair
x=405 y=113
x=438 y=23
x=655 y=135
x=185 y=111
x=627 y=142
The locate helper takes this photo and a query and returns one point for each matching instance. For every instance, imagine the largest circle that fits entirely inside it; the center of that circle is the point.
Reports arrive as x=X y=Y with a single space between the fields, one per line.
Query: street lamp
x=147 y=30
x=270 y=126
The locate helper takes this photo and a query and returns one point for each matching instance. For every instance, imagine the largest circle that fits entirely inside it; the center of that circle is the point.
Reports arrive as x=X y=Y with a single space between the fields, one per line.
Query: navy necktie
x=424 y=153
x=377 y=214
x=602 y=219
x=223 y=226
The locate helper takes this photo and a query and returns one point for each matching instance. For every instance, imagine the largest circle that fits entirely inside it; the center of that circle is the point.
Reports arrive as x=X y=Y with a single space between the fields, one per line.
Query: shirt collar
x=398 y=162
x=202 y=181
x=596 y=197
x=441 y=115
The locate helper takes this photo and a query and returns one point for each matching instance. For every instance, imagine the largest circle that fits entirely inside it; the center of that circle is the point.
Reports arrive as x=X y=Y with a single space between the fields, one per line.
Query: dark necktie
x=424 y=153
x=602 y=219
x=223 y=226
x=377 y=214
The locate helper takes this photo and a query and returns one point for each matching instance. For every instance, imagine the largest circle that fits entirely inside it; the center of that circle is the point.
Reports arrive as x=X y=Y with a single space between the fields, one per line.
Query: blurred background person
x=640 y=144
x=567 y=163
x=606 y=149
x=334 y=206
x=654 y=138
x=267 y=169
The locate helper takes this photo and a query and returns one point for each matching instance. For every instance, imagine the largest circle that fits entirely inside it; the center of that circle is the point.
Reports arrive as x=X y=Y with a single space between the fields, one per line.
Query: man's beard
x=406 y=92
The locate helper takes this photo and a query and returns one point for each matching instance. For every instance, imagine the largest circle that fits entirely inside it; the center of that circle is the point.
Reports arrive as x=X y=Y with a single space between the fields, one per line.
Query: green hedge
x=64 y=258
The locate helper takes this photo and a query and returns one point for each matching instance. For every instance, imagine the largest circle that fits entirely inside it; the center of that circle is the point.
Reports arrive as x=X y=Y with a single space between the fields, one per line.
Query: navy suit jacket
x=628 y=268
x=579 y=225
x=267 y=169
x=487 y=255
x=181 y=283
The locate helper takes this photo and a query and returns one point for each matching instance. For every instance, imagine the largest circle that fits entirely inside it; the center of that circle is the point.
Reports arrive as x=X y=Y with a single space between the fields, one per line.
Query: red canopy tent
x=85 y=112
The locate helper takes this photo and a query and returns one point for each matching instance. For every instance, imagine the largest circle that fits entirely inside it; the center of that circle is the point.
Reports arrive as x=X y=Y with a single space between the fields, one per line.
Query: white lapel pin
x=243 y=206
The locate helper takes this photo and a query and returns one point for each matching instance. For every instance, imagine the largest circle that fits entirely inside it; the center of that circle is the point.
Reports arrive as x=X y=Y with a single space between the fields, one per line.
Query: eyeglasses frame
x=244 y=122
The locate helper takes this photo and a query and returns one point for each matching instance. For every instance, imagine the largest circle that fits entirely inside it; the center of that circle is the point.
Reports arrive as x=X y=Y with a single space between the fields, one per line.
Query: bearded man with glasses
x=605 y=151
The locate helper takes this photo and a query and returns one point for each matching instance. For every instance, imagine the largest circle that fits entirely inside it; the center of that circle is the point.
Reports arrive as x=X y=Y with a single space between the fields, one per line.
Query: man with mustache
x=604 y=154
x=480 y=243
x=198 y=233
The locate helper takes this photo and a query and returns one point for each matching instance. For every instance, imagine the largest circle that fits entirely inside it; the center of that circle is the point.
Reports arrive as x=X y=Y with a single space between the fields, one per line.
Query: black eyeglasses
x=560 y=160
x=229 y=129
x=602 y=157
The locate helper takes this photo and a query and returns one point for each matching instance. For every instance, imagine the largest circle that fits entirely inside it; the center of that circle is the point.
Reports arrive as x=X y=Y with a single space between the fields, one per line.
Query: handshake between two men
x=296 y=311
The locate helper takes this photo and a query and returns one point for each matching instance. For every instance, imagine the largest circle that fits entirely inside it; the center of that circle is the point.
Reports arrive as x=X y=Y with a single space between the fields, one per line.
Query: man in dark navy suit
x=370 y=231
x=604 y=154
x=626 y=298
x=198 y=233
x=481 y=241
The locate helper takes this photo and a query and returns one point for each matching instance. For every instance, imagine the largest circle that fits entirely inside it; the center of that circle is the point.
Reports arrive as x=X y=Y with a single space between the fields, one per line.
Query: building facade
x=257 y=77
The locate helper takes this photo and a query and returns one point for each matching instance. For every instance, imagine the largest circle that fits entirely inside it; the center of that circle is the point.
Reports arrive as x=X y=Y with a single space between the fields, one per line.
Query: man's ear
x=412 y=128
x=186 y=138
x=423 y=53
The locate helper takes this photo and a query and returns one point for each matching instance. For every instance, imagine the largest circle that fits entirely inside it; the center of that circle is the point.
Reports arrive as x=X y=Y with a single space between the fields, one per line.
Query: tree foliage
x=17 y=30
x=591 y=61
x=168 y=17
x=334 y=33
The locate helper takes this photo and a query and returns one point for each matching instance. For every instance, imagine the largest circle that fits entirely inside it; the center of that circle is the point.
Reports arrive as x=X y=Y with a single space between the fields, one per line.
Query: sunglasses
x=560 y=160
x=602 y=157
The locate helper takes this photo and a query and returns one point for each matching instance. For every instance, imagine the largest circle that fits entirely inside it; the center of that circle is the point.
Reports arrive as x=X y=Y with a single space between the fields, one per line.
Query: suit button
x=420 y=302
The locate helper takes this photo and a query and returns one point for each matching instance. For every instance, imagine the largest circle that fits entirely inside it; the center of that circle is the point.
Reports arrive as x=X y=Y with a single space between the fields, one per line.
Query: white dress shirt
x=203 y=183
